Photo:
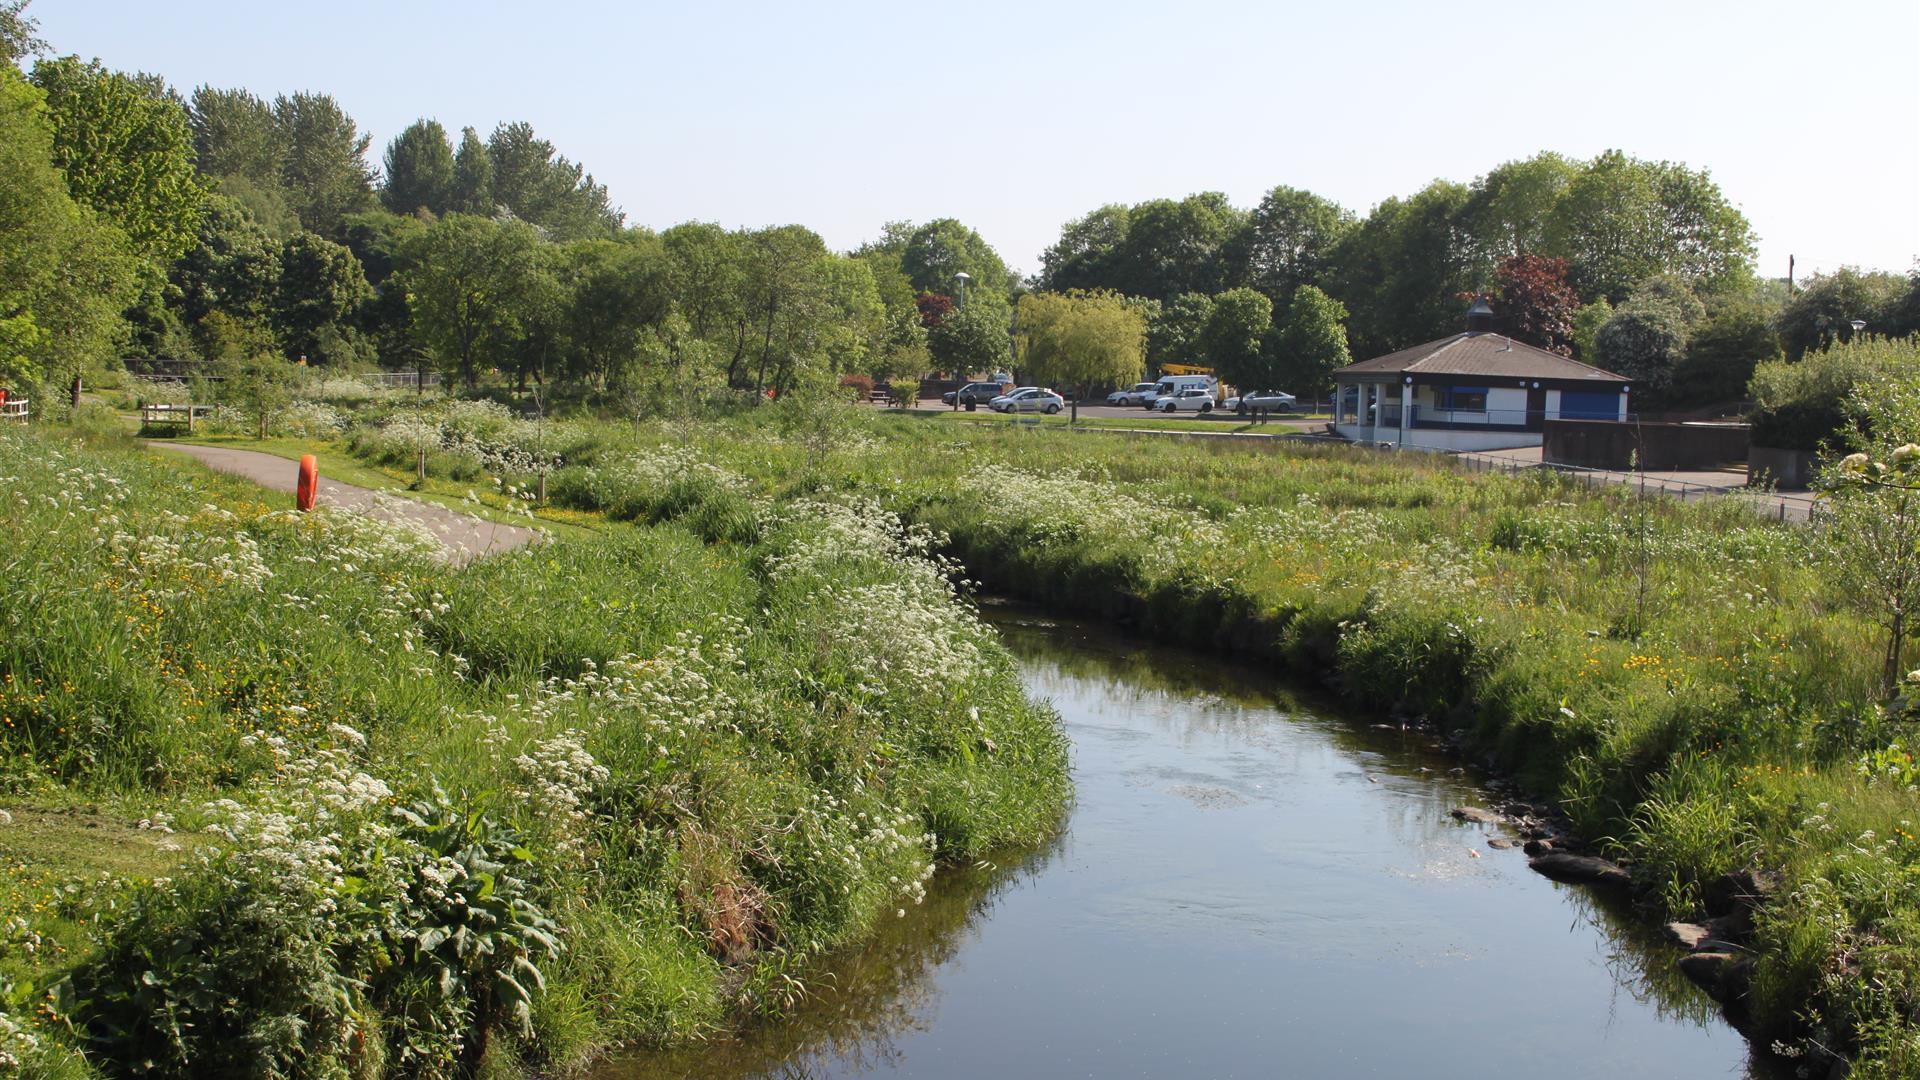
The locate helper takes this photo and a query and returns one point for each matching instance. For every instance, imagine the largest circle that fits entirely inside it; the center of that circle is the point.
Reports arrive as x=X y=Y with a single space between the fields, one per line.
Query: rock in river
x=1476 y=815
x=1580 y=869
x=1687 y=935
x=1722 y=975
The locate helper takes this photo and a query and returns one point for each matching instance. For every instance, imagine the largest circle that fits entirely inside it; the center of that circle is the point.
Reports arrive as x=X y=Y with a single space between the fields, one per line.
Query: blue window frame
x=1463 y=398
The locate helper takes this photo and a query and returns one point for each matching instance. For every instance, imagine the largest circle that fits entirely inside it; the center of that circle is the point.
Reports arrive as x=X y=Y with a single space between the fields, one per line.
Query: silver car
x=1192 y=399
x=1261 y=401
x=1130 y=397
x=1028 y=399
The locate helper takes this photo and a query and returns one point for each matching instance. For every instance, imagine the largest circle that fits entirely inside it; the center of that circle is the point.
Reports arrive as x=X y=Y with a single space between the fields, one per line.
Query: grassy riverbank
x=284 y=790
x=1685 y=683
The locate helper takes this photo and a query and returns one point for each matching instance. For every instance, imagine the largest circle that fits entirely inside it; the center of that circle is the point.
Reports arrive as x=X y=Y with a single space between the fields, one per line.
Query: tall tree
x=1535 y=302
x=549 y=191
x=1401 y=272
x=971 y=338
x=234 y=267
x=472 y=190
x=1310 y=343
x=1624 y=220
x=617 y=290
x=325 y=171
x=127 y=153
x=1232 y=338
x=1081 y=340
x=942 y=248
x=1287 y=242
x=19 y=33
x=1507 y=211
x=1174 y=328
x=1172 y=247
x=1822 y=313
x=1647 y=335
x=462 y=278
x=235 y=135
x=321 y=288
x=1083 y=257
x=419 y=173
x=64 y=275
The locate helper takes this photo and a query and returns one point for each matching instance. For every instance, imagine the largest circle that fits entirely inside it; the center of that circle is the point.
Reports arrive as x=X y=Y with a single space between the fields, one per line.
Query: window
x=1463 y=398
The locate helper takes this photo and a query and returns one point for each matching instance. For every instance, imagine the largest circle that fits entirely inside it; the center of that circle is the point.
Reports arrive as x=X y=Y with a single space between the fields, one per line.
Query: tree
x=253 y=374
x=1233 y=333
x=325 y=171
x=547 y=190
x=419 y=174
x=233 y=267
x=321 y=287
x=127 y=153
x=1647 y=336
x=617 y=290
x=1402 y=270
x=1587 y=321
x=1288 y=242
x=1174 y=328
x=18 y=33
x=933 y=308
x=1722 y=354
x=64 y=275
x=940 y=249
x=1536 y=303
x=235 y=135
x=1822 y=313
x=1174 y=247
x=973 y=338
x=1624 y=220
x=1083 y=256
x=1310 y=343
x=1081 y=340
x=472 y=190
x=463 y=275
x=1507 y=211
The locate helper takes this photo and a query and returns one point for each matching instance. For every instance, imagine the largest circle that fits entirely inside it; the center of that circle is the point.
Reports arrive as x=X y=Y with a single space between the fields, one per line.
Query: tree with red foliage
x=934 y=308
x=1535 y=302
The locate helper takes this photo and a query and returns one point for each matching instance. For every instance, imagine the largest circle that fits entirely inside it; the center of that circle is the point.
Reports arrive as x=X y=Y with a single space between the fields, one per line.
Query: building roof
x=1477 y=353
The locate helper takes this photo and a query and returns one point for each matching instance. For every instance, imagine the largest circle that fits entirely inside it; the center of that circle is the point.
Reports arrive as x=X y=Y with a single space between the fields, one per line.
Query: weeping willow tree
x=1081 y=340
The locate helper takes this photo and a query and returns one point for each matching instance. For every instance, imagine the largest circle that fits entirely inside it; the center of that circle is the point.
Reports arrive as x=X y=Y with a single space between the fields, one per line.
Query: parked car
x=1261 y=401
x=1192 y=399
x=1029 y=399
x=1172 y=385
x=1130 y=397
x=976 y=393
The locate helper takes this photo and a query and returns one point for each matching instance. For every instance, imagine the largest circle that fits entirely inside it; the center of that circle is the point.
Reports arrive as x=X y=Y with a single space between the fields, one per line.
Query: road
x=462 y=536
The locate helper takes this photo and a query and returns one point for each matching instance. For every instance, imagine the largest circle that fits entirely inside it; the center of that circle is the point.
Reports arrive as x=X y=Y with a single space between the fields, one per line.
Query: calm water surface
x=1248 y=887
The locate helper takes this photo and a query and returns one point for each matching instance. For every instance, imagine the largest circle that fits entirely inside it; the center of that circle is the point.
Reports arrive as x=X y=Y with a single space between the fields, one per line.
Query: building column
x=1406 y=410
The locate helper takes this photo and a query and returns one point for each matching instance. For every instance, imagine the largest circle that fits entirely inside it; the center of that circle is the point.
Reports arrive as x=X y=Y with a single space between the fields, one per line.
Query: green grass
x=1683 y=681
x=699 y=763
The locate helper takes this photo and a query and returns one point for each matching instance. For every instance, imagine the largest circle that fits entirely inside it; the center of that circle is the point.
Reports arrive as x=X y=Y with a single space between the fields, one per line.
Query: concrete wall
x=1606 y=444
x=1447 y=439
x=1783 y=470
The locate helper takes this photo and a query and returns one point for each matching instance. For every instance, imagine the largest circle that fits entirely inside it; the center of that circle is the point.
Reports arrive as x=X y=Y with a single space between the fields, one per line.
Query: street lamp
x=1859 y=325
x=960 y=279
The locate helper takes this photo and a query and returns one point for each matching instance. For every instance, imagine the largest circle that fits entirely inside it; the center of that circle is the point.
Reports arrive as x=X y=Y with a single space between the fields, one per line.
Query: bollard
x=308 y=484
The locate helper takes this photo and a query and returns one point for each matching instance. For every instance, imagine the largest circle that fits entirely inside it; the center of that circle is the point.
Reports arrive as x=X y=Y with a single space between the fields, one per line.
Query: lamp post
x=1858 y=325
x=960 y=279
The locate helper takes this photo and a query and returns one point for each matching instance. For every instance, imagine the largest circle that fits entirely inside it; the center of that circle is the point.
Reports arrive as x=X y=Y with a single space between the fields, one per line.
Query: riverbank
x=400 y=818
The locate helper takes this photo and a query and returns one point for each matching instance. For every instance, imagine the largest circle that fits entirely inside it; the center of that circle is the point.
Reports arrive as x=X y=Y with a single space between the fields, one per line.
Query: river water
x=1248 y=886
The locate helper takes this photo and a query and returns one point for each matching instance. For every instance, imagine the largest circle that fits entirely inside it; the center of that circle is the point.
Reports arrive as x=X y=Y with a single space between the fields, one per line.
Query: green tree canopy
x=64 y=274
x=933 y=253
x=1174 y=328
x=1081 y=340
x=1822 y=312
x=472 y=190
x=463 y=278
x=127 y=152
x=1288 y=242
x=325 y=172
x=1624 y=220
x=540 y=187
x=233 y=267
x=235 y=135
x=320 y=290
x=1646 y=337
x=1233 y=334
x=972 y=338
x=419 y=170
x=1309 y=344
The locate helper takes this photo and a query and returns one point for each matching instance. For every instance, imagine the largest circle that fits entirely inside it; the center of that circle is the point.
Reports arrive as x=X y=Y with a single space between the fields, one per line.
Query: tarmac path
x=462 y=536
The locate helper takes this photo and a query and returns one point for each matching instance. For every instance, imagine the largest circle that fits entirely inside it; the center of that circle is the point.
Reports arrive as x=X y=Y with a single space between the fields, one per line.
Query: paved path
x=1685 y=484
x=462 y=536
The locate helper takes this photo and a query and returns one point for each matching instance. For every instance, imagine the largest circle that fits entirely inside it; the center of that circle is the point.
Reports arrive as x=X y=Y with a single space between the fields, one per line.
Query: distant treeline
x=140 y=221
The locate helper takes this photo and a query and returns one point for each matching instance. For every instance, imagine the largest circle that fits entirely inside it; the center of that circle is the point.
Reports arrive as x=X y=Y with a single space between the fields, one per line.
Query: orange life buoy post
x=309 y=483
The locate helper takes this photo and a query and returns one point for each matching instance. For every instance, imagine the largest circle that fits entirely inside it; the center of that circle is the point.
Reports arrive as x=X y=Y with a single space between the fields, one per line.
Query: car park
x=1192 y=399
x=1261 y=401
x=974 y=393
x=1029 y=399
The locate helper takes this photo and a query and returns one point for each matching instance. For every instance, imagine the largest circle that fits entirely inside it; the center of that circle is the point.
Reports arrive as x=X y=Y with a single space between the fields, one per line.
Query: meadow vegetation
x=289 y=796
x=1697 y=689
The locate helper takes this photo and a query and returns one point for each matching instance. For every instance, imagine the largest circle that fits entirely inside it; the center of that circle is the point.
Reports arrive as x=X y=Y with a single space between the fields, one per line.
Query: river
x=1249 y=885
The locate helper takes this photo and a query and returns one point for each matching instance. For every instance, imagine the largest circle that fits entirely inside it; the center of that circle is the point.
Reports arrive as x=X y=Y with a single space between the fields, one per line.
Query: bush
x=1804 y=405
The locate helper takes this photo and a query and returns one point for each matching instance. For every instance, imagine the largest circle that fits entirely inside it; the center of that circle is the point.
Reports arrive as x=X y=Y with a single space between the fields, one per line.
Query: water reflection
x=1246 y=888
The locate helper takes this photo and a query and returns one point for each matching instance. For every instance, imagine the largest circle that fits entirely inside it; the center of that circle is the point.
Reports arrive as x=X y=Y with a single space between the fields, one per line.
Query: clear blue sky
x=1017 y=117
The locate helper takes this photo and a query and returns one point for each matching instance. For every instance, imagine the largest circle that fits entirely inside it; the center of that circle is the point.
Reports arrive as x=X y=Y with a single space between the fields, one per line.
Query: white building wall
x=1553 y=404
x=1506 y=405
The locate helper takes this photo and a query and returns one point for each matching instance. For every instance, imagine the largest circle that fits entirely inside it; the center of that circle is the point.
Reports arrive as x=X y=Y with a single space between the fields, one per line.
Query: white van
x=1170 y=385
